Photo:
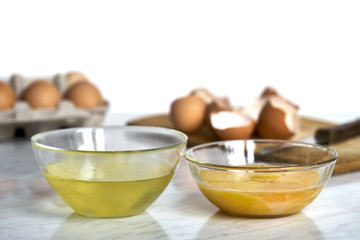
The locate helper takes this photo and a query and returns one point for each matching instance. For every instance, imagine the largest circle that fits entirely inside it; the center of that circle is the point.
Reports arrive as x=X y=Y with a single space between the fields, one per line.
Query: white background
x=144 y=54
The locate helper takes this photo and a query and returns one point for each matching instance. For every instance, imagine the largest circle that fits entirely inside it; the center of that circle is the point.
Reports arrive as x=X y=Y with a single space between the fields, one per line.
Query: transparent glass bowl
x=109 y=171
x=261 y=178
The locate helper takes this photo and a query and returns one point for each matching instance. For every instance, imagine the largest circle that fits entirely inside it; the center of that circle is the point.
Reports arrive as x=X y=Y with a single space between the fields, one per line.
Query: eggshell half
x=269 y=92
x=278 y=119
x=230 y=125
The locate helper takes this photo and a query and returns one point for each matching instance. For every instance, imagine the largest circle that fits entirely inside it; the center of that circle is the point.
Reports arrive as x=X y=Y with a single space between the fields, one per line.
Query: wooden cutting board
x=349 y=154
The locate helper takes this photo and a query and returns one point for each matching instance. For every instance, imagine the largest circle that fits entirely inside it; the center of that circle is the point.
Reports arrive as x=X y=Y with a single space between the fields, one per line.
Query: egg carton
x=27 y=121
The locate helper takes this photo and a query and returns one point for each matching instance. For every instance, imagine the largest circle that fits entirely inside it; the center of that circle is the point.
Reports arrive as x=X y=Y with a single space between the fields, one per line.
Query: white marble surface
x=29 y=209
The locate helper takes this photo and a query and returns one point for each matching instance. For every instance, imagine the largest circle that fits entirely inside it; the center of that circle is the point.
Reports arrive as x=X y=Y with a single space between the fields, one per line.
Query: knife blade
x=336 y=134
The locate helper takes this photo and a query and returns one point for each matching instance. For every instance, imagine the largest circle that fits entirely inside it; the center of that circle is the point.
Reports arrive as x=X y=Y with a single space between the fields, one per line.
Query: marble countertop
x=29 y=209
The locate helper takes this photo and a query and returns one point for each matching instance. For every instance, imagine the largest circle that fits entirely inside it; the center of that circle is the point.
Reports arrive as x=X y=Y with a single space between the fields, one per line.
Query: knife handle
x=338 y=133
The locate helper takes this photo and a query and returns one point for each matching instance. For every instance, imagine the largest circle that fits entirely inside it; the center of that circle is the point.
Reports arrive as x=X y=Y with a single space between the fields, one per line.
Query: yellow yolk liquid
x=260 y=194
x=106 y=190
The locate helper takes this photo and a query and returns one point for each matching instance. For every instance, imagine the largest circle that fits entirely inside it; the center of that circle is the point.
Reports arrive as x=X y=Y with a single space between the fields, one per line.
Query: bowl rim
x=262 y=168
x=36 y=144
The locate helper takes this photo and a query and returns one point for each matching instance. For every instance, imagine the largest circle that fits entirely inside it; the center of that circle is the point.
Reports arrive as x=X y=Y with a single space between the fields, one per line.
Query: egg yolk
x=260 y=194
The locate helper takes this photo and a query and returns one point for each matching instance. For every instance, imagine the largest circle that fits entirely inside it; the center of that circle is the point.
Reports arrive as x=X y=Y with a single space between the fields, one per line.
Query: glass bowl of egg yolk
x=109 y=171
x=261 y=178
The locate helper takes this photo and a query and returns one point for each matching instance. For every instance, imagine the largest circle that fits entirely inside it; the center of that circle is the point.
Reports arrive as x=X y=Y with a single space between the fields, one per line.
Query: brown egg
x=188 y=113
x=84 y=95
x=230 y=125
x=7 y=96
x=278 y=119
x=41 y=94
x=75 y=77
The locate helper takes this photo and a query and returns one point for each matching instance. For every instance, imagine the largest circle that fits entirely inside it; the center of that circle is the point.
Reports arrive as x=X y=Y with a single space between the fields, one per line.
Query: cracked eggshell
x=278 y=119
x=204 y=94
x=231 y=125
x=254 y=109
x=188 y=113
x=257 y=105
x=269 y=92
x=209 y=98
x=215 y=106
x=213 y=102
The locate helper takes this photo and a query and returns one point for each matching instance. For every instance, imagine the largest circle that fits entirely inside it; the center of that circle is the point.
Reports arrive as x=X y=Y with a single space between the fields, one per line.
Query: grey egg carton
x=22 y=118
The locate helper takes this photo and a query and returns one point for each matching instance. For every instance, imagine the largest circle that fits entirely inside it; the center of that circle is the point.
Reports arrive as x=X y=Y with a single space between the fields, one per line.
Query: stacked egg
x=43 y=94
x=7 y=96
x=65 y=100
x=80 y=91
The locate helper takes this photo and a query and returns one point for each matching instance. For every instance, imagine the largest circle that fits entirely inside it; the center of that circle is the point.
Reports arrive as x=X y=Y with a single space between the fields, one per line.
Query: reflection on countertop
x=218 y=227
x=110 y=228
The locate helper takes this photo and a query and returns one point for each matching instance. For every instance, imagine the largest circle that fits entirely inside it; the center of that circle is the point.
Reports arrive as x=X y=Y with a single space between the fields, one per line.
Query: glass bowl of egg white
x=261 y=178
x=109 y=171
